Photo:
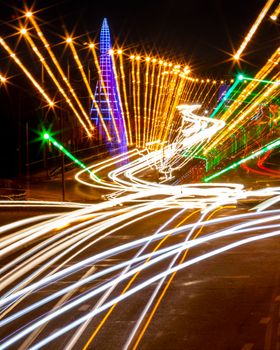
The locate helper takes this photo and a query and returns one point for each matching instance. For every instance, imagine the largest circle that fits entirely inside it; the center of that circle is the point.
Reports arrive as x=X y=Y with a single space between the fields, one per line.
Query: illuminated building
x=107 y=96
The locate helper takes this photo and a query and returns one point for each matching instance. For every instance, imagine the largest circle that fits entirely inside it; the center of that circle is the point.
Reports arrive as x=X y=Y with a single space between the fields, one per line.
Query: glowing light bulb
x=137 y=58
x=69 y=40
x=28 y=14
x=111 y=52
x=91 y=46
x=236 y=57
x=119 y=51
x=2 y=79
x=23 y=31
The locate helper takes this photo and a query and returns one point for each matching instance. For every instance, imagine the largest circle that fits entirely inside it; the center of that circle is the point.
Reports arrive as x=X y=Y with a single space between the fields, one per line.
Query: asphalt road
x=228 y=302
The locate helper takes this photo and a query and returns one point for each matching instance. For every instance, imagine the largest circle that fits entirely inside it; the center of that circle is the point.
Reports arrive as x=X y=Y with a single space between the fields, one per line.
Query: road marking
x=265 y=320
x=84 y=307
x=248 y=346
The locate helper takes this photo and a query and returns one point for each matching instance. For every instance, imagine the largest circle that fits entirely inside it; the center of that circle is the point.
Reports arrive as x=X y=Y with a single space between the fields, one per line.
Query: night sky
x=203 y=33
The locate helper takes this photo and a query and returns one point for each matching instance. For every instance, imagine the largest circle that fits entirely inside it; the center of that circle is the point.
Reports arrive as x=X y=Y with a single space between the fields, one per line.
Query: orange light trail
x=26 y=72
x=57 y=65
x=118 y=91
x=102 y=322
x=60 y=89
x=81 y=69
x=276 y=12
x=171 y=279
x=125 y=97
x=253 y=29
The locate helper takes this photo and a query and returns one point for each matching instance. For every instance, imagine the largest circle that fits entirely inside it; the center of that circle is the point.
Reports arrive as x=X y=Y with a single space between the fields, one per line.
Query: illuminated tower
x=107 y=95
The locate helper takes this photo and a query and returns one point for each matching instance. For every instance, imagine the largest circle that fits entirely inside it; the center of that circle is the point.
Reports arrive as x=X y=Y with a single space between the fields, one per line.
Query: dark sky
x=203 y=33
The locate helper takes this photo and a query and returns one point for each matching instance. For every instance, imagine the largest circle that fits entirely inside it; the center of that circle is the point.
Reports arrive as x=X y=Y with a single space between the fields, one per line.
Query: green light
x=47 y=136
x=241 y=77
x=262 y=81
x=230 y=90
x=264 y=149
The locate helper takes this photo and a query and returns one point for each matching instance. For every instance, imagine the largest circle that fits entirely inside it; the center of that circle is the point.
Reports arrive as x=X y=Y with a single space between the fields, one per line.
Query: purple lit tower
x=113 y=108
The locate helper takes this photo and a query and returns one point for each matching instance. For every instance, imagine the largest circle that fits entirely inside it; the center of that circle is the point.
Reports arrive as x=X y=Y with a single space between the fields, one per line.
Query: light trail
x=276 y=13
x=58 y=250
x=253 y=29
x=124 y=89
x=62 y=149
x=81 y=69
x=26 y=72
x=156 y=291
x=261 y=151
x=51 y=74
x=124 y=296
x=41 y=36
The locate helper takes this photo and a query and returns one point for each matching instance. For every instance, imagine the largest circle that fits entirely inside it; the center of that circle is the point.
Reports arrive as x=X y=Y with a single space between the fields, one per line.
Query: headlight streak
x=184 y=195
x=46 y=247
x=159 y=286
x=79 y=238
x=86 y=262
x=107 y=294
x=253 y=29
x=122 y=248
x=124 y=296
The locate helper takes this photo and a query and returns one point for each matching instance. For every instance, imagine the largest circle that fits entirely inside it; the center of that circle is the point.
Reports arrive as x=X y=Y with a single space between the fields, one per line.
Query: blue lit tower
x=107 y=87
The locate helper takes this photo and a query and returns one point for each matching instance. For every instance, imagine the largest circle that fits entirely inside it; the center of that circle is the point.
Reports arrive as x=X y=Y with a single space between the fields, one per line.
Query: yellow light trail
x=253 y=29
x=170 y=108
x=26 y=72
x=166 y=107
x=170 y=281
x=81 y=69
x=164 y=86
x=180 y=87
x=238 y=121
x=92 y=48
x=150 y=98
x=57 y=65
x=60 y=89
x=102 y=322
x=136 y=131
x=158 y=104
x=268 y=68
x=120 y=100
x=137 y=58
x=154 y=114
x=205 y=86
x=123 y=79
x=213 y=93
x=276 y=12
x=148 y=60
